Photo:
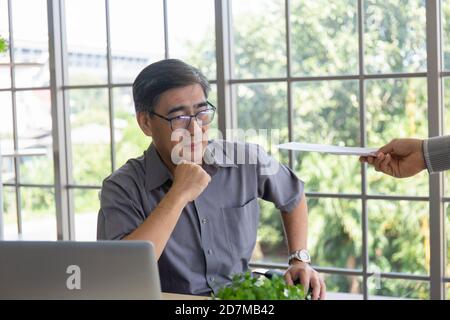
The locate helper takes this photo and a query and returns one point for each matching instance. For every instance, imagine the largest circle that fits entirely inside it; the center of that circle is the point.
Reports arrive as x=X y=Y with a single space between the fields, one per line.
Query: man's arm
x=189 y=182
x=296 y=228
x=159 y=225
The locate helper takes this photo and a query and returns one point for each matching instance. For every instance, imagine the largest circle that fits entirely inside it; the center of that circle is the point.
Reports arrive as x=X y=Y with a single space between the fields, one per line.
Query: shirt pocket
x=241 y=226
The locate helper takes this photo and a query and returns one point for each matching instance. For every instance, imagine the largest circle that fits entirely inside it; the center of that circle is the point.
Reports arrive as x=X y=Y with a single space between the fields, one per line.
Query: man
x=402 y=158
x=201 y=216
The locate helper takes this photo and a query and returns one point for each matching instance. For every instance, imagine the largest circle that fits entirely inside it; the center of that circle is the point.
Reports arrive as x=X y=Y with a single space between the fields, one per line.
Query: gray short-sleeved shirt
x=215 y=235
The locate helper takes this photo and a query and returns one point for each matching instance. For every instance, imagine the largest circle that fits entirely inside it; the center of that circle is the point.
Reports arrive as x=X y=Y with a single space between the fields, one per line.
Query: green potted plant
x=247 y=287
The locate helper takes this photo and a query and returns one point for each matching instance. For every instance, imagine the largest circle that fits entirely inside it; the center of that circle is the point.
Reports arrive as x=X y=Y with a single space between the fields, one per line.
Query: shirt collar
x=156 y=172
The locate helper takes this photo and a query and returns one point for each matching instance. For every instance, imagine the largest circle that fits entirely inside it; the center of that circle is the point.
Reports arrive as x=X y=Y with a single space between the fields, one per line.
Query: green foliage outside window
x=3 y=45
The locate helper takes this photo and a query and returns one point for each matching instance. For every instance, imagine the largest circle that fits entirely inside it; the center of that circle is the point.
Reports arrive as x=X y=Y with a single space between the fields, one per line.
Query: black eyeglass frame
x=211 y=107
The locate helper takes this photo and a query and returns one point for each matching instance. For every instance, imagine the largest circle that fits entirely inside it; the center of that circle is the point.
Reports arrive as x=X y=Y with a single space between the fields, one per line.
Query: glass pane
x=137 y=36
x=4 y=27
x=399 y=236
x=386 y=289
x=38 y=214
x=213 y=97
x=445 y=7
x=8 y=167
x=335 y=234
x=6 y=120
x=6 y=137
x=5 y=75
x=87 y=204
x=86 y=41
x=396 y=108
x=213 y=132
x=131 y=142
x=324 y=37
x=259 y=32
x=341 y=287
x=395 y=36
x=9 y=213
x=327 y=112
x=5 y=78
x=192 y=34
x=30 y=28
x=34 y=128
x=90 y=135
x=262 y=107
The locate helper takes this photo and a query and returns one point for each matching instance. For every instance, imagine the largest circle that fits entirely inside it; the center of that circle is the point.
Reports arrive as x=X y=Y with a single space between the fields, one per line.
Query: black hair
x=161 y=76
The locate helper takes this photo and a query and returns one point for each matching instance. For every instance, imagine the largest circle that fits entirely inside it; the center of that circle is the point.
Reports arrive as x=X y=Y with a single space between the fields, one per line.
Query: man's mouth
x=195 y=145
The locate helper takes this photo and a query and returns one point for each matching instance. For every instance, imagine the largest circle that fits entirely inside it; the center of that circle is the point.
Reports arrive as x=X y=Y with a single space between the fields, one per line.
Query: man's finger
x=384 y=165
x=304 y=280
x=388 y=148
x=376 y=164
x=323 y=289
x=315 y=284
x=288 y=278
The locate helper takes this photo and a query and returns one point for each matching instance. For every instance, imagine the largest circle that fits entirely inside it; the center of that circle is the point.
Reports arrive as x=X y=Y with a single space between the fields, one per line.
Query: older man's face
x=188 y=143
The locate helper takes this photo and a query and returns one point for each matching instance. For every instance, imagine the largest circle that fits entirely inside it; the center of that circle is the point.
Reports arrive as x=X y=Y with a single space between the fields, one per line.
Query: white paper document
x=348 y=151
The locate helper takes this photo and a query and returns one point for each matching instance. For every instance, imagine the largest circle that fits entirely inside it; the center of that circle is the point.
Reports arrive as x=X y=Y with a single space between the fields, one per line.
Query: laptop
x=78 y=270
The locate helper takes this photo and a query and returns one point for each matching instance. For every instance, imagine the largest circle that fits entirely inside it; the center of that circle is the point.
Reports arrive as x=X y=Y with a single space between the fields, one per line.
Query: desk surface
x=330 y=296
x=176 y=296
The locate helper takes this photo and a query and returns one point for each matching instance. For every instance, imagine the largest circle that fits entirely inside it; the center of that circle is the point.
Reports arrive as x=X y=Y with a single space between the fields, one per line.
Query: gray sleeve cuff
x=436 y=152
x=426 y=155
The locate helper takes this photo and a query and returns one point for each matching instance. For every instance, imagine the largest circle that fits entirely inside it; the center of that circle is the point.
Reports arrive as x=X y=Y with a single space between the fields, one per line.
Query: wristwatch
x=301 y=255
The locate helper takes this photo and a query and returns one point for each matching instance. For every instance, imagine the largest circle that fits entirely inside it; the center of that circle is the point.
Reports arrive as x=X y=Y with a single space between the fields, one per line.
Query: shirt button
x=204 y=220
x=210 y=251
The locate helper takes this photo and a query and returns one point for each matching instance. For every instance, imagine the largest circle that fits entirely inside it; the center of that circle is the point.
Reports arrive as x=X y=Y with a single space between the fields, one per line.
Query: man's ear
x=144 y=122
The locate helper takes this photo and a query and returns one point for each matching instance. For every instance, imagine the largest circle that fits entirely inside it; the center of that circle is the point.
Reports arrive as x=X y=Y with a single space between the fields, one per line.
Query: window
x=26 y=123
x=348 y=73
x=345 y=72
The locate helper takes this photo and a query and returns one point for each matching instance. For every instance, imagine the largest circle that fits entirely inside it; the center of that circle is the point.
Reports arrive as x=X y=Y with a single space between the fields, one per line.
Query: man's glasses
x=203 y=118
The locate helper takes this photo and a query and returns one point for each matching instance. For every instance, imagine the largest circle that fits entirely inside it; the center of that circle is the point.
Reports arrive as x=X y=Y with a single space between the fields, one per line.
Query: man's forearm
x=296 y=226
x=161 y=222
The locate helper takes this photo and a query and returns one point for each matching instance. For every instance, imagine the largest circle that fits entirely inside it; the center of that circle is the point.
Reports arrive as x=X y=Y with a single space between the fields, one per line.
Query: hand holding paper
x=400 y=158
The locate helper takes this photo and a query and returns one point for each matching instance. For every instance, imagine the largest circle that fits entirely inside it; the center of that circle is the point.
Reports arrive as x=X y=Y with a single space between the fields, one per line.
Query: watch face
x=304 y=255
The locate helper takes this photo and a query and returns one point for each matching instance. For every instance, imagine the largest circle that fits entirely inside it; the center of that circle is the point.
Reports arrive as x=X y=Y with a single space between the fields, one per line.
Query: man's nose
x=194 y=126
